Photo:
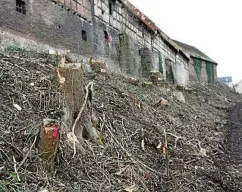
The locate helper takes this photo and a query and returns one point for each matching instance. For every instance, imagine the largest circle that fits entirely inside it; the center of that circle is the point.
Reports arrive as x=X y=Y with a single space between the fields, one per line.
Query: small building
x=201 y=68
x=238 y=87
x=226 y=80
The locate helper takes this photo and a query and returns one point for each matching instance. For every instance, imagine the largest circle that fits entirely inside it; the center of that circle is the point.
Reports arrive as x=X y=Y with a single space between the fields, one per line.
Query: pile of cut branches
x=148 y=139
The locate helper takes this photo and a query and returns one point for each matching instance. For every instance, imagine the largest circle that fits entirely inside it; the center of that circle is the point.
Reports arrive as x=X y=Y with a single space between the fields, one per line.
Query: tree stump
x=154 y=77
x=75 y=98
x=49 y=143
x=97 y=65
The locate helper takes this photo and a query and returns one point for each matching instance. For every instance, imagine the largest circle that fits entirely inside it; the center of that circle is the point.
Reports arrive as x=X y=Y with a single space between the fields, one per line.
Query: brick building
x=201 y=68
x=113 y=31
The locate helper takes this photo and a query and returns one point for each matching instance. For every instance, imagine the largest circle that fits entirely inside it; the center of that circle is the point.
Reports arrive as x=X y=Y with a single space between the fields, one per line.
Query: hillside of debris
x=135 y=123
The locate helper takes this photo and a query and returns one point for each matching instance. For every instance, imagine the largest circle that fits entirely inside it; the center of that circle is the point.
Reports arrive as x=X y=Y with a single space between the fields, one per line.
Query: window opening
x=106 y=36
x=110 y=8
x=21 y=6
x=84 y=35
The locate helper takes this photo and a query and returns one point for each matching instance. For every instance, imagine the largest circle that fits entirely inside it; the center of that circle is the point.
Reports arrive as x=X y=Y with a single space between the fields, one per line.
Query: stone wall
x=48 y=23
x=182 y=76
x=204 y=76
x=191 y=71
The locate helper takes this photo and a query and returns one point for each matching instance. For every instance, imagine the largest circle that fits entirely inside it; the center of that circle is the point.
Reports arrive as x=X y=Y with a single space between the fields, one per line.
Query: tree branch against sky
x=213 y=26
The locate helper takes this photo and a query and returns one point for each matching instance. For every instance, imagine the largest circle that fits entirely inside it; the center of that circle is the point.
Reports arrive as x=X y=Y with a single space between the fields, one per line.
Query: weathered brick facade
x=207 y=72
x=111 y=30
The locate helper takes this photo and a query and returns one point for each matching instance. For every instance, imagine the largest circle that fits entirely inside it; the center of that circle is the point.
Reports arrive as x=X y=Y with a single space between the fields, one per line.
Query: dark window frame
x=106 y=35
x=110 y=5
x=84 y=35
x=21 y=6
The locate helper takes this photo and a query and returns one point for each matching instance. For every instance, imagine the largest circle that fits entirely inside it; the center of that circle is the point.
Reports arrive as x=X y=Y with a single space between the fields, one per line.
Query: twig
x=143 y=141
x=176 y=138
x=79 y=116
x=15 y=168
x=128 y=154
x=22 y=162
x=147 y=167
x=166 y=155
x=141 y=181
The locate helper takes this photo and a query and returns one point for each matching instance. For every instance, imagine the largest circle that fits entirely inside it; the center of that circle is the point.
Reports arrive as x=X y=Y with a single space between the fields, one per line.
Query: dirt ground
x=203 y=134
x=233 y=156
x=234 y=137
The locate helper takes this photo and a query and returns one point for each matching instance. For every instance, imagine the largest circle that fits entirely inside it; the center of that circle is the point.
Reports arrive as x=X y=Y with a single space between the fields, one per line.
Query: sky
x=213 y=26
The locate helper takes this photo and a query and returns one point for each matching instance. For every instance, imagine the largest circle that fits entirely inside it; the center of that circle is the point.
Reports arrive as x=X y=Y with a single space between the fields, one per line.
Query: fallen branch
x=128 y=154
x=166 y=155
x=26 y=156
x=15 y=168
x=90 y=84
x=176 y=138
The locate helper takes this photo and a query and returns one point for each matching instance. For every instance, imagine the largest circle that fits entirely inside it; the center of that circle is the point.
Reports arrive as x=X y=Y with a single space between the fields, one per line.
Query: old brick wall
x=193 y=75
x=107 y=50
x=83 y=29
x=204 y=76
x=130 y=55
x=181 y=74
x=191 y=71
x=155 y=59
x=146 y=61
x=48 y=23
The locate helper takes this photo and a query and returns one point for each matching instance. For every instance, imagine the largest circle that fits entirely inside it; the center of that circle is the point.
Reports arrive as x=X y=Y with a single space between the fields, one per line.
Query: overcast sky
x=213 y=26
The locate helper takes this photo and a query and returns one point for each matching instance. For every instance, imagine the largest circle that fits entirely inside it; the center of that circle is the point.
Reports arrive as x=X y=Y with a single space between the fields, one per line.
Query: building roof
x=148 y=22
x=152 y=26
x=194 y=52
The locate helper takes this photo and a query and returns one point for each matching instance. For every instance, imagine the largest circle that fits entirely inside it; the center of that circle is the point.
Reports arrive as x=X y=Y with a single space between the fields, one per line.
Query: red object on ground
x=54 y=131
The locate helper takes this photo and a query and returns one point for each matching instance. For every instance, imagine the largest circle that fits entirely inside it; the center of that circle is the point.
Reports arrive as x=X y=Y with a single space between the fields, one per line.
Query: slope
x=131 y=127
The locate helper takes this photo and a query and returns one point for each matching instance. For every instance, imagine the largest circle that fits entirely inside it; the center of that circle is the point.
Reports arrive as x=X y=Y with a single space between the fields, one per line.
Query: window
x=140 y=52
x=21 y=6
x=110 y=8
x=106 y=36
x=84 y=35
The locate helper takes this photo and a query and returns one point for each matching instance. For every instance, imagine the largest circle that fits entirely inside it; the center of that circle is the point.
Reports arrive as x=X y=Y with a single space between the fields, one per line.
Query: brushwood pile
x=151 y=139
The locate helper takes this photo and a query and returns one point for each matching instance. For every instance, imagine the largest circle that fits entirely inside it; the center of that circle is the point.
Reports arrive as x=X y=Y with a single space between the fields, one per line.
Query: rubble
x=189 y=135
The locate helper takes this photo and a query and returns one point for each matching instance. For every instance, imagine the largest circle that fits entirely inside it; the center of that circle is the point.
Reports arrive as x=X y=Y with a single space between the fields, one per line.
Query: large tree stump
x=75 y=94
x=49 y=142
